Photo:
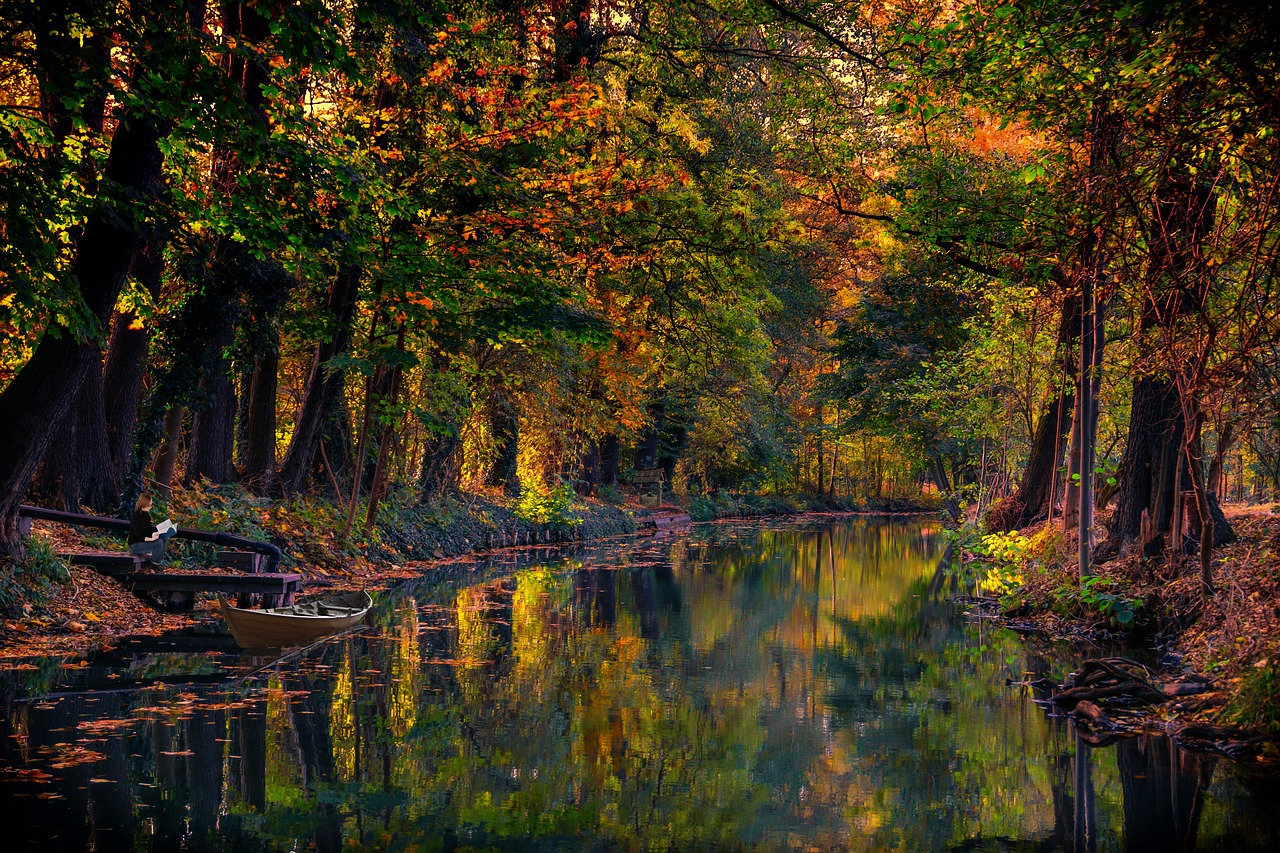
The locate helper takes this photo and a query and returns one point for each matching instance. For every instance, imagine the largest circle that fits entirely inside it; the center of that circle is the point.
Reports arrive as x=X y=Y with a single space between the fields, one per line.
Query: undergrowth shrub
x=35 y=579
x=1257 y=704
x=1107 y=597
x=1007 y=560
x=542 y=505
x=219 y=509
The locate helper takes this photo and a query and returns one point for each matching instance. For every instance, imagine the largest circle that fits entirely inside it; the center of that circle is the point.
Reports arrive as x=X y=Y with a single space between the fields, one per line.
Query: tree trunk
x=506 y=432
x=1226 y=435
x=588 y=469
x=944 y=486
x=233 y=273
x=213 y=427
x=79 y=449
x=392 y=396
x=43 y=393
x=1030 y=502
x=260 y=424
x=1182 y=212
x=1148 y=466
x=1092 y=338
x=610 y=448
x=324 y=387
x=167 y=456
x=123 y=375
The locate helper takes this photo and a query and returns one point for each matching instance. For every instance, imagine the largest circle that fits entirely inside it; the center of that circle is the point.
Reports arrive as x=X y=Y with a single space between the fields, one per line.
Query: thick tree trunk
x=1030 y=503
x=610 y=448
x=324 y=387
x=588 y=469
x=79 y=450
x=1034 y=496
x=1148 y=467
x=167 y=456
x=944 y=486
x=123 y=375
x=43 y=393
x=232 y=272
x=93 y=451
x=213 y=427
x=506 y=433
x=260 y=424
x=1183 y=213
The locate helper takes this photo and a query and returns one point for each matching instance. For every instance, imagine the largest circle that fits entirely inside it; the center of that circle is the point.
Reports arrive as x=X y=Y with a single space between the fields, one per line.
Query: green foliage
x=547 y=505
x=1257 y=702
x=1007 y=555
x=1106 y=597
x=609 y=494
x=34 y=579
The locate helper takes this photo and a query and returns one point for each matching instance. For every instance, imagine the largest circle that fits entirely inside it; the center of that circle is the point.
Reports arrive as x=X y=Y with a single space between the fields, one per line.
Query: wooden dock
x=177 y=590
x=250 y=566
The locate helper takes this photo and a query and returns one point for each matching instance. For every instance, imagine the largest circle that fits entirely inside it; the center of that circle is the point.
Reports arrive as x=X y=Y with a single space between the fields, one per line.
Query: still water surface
x=799 y=685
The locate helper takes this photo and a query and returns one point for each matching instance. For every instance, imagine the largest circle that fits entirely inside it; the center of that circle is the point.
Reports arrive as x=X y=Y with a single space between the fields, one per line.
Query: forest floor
x=1217 y=655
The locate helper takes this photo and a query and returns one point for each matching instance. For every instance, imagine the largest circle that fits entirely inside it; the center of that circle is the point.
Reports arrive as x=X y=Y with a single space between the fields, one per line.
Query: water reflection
x=761 y=687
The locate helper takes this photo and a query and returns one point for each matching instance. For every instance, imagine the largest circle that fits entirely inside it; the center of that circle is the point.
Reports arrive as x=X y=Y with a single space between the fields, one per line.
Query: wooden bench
x=113 y=563
x=241 y=561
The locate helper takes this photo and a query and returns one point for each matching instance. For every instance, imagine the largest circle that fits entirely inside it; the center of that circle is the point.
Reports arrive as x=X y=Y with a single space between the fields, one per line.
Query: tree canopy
x=378 y=250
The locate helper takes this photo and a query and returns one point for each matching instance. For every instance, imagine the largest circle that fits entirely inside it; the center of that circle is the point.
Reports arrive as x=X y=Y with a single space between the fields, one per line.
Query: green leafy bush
x=35 y=579
x=1257 y=704
x=543 y=505
x=1007 y=555
x=1105 y=595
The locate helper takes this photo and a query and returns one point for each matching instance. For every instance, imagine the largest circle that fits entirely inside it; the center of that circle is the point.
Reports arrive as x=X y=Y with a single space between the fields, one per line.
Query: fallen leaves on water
x=71 y=755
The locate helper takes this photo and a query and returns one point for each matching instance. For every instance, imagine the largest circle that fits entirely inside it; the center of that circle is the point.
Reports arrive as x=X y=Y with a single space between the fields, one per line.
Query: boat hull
x=299 y=623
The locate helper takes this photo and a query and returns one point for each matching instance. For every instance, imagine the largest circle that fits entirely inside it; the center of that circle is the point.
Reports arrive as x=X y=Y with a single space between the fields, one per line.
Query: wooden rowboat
x=297 y=623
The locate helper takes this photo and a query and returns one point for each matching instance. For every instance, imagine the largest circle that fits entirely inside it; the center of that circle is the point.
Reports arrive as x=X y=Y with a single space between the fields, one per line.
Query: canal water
x=799 y=685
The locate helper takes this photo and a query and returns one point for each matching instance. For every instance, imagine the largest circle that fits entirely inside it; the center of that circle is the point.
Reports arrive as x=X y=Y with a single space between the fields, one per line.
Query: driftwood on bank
x=1110 y=678
x=1113 y=697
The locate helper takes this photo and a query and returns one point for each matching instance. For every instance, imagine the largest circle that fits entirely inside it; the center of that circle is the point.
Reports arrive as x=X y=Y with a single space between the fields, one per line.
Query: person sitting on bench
x=145 y=539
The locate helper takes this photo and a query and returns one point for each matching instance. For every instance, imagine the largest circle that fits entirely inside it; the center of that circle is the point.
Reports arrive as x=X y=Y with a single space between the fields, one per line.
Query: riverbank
x=1216 y=655
x=70 y=610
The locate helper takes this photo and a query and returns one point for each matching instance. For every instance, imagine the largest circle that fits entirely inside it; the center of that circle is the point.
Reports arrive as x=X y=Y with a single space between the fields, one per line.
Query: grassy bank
x=1227 y=639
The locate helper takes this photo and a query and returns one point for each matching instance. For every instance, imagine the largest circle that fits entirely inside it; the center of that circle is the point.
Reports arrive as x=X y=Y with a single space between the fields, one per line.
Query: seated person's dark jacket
x=140 y=526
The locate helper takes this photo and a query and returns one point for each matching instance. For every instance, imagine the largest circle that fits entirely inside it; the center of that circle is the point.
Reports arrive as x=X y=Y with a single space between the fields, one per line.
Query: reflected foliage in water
x=753 y=687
